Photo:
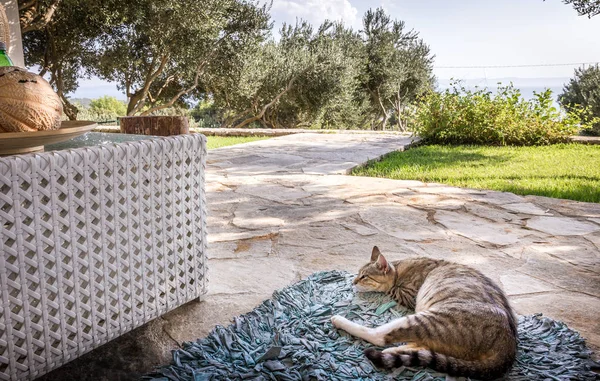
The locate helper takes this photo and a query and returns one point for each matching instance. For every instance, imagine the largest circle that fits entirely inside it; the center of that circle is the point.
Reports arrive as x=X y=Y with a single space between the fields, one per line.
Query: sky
x=463 y=33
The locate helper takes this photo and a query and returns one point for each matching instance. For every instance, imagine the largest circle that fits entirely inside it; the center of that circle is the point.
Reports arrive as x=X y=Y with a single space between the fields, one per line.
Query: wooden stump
x=155 y=125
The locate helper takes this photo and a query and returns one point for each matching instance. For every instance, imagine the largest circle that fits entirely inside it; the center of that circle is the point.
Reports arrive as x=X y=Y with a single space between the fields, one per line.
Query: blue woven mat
x=290 y=337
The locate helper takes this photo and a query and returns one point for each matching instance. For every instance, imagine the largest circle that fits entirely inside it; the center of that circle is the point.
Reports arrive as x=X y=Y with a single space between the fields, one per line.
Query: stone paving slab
x=281 y=209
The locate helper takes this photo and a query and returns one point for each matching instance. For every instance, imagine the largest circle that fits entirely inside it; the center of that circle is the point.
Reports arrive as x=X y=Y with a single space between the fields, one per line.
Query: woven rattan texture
x=96 y=242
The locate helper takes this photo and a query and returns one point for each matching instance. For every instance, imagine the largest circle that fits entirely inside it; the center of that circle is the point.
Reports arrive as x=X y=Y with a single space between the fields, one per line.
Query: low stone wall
x=586 y=139
x=291 y=131
x=260 y=131
x=282 y=131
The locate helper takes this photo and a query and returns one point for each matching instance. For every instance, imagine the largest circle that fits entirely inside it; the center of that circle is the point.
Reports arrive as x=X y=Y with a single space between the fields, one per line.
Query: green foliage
x=108 y=105
x=325 y=77
x=347 y=108
x=62 y=45
x=398 y=68
x=171 y=54
x=324 y=80
x=205 y=114
x=95 y=116
x=287 y=83
x=161 y=50
x=461 y=116
x=35 y=15
x=582 y=94
x=585 y=7
x=570 y=171
x=103 y=109
x=157 y=51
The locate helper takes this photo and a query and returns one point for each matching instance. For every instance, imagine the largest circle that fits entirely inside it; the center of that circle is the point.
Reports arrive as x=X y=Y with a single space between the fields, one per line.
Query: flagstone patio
x=283 y=208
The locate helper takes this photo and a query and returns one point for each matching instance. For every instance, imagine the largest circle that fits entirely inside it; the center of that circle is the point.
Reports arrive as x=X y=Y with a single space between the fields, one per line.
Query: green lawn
x=570 y=171
x=224 y=141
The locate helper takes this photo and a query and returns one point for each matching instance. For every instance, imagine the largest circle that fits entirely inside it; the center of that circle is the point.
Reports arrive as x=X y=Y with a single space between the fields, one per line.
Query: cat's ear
x=375 y=254
x=379 y=259
x=382 y=264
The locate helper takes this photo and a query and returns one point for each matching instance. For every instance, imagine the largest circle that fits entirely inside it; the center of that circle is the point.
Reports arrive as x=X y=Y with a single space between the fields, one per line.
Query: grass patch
x=569 y=171
x=224 y=141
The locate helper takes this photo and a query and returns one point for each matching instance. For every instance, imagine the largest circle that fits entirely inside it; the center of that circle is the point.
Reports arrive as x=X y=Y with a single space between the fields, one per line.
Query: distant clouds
x=461 y=33
x=95 y=87
x=288 y=11
x=527 y=86
x=315 y=11
x=492 y=83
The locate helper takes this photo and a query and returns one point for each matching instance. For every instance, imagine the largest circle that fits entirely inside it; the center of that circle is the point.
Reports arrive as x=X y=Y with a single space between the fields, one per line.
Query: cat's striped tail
x=488 y=369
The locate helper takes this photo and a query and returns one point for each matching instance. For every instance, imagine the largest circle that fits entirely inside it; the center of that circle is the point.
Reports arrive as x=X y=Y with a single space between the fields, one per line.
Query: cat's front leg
x=357 y=330
x=396 y=331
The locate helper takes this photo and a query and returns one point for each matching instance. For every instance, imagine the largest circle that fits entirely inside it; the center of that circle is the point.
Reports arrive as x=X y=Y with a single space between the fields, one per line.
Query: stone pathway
x=281 y=209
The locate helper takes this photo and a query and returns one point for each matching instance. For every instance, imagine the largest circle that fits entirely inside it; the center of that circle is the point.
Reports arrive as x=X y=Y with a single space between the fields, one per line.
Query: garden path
x=283 y=208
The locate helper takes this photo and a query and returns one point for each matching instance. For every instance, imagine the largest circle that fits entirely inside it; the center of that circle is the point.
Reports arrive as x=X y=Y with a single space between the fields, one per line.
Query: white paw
x=397 y=350
x=338 y=321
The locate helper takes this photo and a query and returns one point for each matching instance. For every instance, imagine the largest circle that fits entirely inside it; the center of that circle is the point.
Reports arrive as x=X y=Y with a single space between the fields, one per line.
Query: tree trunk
x=155 y=125
x=269 y=105
x=69 y=109
x=385 y=121
x=132 y=104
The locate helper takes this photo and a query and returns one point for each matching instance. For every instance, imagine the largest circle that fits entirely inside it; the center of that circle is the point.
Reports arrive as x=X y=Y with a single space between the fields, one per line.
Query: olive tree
x=36 y=14
x=160 y=51
x=327 y=77
x=398 y=66
x=583 y=92
x=156 y=51
x=283 y=83
x=59 y=40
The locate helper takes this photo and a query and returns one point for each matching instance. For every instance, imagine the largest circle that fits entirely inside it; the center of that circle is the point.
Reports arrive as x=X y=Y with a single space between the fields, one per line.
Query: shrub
x=461 y=116
x=205 y=114
x=108 y=105
x=101 y=116
x=583 y=92
x=104 y=109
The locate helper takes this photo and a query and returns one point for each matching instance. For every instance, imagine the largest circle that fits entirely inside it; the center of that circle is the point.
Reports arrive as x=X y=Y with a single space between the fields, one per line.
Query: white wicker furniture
x=96 y=242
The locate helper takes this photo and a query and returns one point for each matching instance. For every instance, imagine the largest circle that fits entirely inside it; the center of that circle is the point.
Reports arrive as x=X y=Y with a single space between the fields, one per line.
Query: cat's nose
x=355 y=281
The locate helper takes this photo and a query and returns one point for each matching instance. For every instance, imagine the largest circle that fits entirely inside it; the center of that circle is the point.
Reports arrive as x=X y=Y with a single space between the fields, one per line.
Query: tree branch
x=199 y=71
x=270 y=104
x=589 y=8
x=178 y=95
x=26 y=5
x=127 y=85
x=164 y=86
x=33 y=20
x=139 y=97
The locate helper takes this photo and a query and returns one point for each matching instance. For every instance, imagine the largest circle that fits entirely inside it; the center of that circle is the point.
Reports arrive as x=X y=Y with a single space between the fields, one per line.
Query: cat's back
x=457 y=286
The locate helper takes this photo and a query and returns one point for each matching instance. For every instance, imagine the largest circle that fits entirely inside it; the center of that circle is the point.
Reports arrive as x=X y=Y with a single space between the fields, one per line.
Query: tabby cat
x=462 y=326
